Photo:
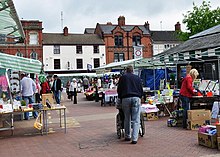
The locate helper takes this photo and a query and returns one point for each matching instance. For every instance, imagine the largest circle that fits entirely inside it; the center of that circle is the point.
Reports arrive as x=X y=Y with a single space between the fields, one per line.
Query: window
x=19 y=54
x=136 y=40
x=33 y=55
x=118 y=40
x=167 y=46
x=56 y=49
x=96 y=62
x=79 y=63
x=118 y=57
x=33 y=39
x=95 y=49
x=79 y=49
x=56 y=63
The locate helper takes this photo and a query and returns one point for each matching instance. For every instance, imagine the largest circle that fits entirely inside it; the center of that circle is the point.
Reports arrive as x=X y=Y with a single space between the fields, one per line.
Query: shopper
x=130 y=91
x=56 y=88
x=28 y=88
x=68 y=89
x=45 y=88
x=85 y=83
x=73 y=90
x=186 y=92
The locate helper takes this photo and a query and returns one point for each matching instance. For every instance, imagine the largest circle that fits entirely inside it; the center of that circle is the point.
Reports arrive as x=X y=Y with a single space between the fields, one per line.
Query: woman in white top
x=73 y=87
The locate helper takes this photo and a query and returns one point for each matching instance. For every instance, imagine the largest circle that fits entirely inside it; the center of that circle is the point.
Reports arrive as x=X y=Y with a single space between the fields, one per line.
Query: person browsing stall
x=56 y=88
x=186 y=92
x=28 y=88
x=130 y=91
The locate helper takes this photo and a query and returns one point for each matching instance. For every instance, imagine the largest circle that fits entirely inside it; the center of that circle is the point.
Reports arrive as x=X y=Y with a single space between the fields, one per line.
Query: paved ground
x=91 y=133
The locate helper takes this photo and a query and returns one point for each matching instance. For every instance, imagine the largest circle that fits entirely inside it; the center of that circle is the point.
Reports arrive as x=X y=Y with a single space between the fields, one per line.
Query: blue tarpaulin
x=147 y=75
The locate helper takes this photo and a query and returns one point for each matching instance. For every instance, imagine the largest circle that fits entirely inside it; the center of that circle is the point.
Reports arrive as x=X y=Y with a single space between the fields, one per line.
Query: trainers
x=127 y=139
x=134 y=142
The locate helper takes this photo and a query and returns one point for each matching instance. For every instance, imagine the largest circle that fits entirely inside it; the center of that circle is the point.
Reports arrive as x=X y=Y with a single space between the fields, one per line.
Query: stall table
x=109 y=95
x=203 y=102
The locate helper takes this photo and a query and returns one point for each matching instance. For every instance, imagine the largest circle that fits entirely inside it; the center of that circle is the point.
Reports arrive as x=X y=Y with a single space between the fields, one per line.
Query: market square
x=117 y=88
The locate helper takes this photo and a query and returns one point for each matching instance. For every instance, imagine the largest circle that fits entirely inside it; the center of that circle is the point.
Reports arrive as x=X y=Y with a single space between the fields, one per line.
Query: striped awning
x=10 y=25
x=20 y=63
x=196 y=55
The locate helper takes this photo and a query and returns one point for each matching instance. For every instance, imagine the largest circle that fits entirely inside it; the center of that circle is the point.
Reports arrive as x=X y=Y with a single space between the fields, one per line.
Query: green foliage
x=200 y=19
x=23 y=103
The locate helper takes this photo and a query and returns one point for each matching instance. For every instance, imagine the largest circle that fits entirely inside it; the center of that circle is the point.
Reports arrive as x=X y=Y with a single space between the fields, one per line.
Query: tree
x=201 y=18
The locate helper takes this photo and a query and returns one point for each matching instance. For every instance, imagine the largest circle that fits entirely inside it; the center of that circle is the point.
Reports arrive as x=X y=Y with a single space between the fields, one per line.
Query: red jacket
x=45 y=88
x=187 y=88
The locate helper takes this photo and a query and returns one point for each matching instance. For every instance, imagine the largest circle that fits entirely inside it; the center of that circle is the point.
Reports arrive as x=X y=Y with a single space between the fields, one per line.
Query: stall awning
x=20 y=63
x=10 y=25
x=117 y=64
x=200 y=47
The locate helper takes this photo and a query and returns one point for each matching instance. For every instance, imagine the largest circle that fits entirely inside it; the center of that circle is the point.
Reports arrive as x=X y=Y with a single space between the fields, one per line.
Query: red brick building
x=32 y=46
x=120 y=38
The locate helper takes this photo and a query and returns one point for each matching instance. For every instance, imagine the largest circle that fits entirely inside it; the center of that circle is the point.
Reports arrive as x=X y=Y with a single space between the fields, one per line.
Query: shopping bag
x=37 y=123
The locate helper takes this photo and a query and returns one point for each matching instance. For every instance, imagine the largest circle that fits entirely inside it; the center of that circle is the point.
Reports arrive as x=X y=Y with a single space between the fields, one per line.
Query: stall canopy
x=200 y=47
x=20 y=63
x=117 y=65
x=10 y=25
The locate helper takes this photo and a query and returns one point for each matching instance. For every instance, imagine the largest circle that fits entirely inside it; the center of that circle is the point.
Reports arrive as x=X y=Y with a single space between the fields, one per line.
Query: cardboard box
x=207 y=140
x=151 y=116
x=195 y=115
x=218 y=129
x=48 y=97
x=195 y=125
x=218 y=143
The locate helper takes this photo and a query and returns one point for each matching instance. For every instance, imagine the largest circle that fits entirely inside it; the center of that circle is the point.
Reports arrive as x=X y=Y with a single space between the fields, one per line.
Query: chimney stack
x=65 y=31
x=147 y=25
x=177 y=27
x=121 y=21
x=109 y=23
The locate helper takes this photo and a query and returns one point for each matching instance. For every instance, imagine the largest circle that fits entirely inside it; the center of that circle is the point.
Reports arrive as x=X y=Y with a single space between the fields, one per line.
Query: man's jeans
x=131 y=109
x=29 y=100
x=186 y=106
x=57 y=96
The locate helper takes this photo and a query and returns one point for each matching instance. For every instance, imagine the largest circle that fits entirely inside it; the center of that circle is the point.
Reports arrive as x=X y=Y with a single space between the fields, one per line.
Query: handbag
x=37 y=124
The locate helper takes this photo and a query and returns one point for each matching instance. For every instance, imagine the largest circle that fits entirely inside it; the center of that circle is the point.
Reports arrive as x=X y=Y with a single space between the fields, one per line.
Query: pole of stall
x=154 y=77
x=176 y=78
x=165 y=75
x=218 y=75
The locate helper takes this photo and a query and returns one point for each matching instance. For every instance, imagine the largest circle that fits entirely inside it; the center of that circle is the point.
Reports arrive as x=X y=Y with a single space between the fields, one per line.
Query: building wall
x=127 y=48
x=68 y=54
x=160 y=47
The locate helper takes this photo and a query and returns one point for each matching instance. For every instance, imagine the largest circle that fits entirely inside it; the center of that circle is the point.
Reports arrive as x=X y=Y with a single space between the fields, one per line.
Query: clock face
x=138 y=53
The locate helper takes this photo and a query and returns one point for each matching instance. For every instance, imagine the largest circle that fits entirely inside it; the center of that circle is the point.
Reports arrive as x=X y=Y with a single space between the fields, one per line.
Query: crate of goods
x=151 y=116
x=207 y=140
x=194 y=115
x=198 y=118
x=195 y=125
x=150 y=112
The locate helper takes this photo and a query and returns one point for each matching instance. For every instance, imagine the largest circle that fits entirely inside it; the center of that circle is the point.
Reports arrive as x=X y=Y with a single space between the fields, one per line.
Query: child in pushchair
x=120 y=122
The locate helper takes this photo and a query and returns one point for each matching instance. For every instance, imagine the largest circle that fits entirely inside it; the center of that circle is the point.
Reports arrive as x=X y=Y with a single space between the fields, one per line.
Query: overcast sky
x=81 y=14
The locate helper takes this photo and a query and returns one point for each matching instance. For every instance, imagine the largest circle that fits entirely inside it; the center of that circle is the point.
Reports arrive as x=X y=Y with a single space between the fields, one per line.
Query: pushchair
x=120 y=124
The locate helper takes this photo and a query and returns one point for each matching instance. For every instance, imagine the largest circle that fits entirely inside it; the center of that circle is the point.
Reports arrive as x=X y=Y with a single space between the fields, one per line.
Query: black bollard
x=75 y=96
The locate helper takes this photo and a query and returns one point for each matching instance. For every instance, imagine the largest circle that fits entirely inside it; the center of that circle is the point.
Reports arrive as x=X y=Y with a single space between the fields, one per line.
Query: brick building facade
x=120 y=38
x=32 y=46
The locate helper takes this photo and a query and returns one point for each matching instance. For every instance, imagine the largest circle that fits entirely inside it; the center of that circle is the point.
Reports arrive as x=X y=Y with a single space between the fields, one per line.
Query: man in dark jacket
x=56 y=88
x=130 y=91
